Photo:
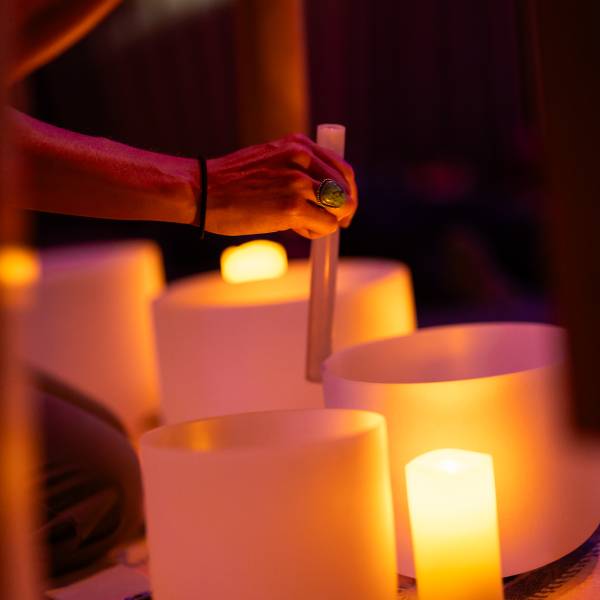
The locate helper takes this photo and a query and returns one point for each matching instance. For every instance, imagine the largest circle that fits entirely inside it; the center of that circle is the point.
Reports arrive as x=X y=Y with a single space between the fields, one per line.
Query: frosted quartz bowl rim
x=65 y=261
x=367 y=422
x=180 y=293
x=336 y=367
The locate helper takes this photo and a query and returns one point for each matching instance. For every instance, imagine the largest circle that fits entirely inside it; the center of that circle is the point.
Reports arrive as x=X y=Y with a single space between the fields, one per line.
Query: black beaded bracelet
x=202 y=199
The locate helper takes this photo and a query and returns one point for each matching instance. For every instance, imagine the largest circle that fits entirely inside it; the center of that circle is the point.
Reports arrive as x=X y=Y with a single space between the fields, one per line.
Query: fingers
x=311 y=235
x=320 y=163
x=330 y=158
x=319 y=220
x=311 y=221
x=307 y=187
x=272 y=187
x=346 y=221
x=297 y=151
x=319 y=170
x=325 y=155
x=297 y=155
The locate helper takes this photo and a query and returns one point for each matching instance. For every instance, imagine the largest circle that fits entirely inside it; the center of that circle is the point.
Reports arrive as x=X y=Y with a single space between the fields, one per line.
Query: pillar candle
x=454 y=525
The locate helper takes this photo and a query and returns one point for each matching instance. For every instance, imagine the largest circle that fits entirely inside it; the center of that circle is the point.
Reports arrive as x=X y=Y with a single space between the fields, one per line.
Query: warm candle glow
x=253 y=261
x=19 y=266
x=454 y=525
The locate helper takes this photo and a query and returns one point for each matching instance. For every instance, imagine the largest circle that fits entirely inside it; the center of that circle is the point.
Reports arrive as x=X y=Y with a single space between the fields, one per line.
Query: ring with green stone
x=330 y=194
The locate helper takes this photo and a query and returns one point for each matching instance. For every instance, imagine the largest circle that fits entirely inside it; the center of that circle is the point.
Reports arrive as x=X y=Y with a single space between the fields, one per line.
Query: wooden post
x=19 y=566
x=566 y=40
x=271 y=69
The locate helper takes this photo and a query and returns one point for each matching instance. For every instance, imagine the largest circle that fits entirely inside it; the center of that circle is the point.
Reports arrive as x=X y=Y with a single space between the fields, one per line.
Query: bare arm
x=260 y=189
x=76 y=174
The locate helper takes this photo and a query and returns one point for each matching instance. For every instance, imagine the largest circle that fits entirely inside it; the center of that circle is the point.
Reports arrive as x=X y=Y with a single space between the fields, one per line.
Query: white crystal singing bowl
x=228 y=348
x=497 y=388
x=284 y=504
x=91 y=324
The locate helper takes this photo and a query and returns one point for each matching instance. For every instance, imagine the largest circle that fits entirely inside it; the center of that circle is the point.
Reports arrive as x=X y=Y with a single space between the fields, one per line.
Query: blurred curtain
x=412 y=79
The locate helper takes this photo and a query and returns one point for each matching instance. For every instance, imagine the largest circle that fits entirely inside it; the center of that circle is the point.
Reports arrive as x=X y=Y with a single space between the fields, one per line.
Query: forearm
x=81 y=175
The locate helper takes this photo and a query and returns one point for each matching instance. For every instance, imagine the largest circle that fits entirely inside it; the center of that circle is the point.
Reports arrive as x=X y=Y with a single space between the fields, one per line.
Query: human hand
x=271 y=187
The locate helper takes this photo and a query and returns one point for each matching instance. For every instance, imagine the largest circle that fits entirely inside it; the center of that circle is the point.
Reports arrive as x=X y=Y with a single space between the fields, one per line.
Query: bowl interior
x=275 y=429
x=449 y=353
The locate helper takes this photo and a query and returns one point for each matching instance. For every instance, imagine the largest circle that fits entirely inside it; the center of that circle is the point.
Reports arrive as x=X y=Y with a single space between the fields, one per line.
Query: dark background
x=436 y=98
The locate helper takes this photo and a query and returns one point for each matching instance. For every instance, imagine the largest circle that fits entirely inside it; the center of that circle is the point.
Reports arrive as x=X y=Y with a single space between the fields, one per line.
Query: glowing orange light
x=454 y=524
x=19 y=266
x=253 y=261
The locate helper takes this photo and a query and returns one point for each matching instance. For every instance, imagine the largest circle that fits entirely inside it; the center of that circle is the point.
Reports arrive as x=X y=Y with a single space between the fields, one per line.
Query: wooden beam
x=271 y=69
x=19 y=565
x=566 y=40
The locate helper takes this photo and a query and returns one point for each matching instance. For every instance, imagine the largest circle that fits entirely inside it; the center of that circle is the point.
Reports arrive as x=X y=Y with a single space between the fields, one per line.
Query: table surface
x=573 y=577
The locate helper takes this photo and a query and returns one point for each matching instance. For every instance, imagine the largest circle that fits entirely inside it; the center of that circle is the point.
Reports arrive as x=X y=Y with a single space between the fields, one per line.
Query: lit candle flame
x=253 y=261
